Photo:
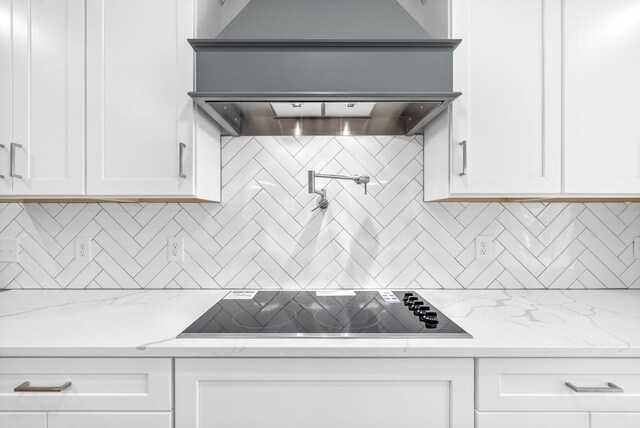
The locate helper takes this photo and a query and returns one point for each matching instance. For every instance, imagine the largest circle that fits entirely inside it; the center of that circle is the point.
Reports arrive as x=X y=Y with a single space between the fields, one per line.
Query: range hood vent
x=323 y=67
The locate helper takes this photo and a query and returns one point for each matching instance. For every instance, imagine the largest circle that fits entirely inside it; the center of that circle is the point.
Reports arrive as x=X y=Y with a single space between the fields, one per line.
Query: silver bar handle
x=181 y=148
x=25 y=387
x=464 y=158
x=610 y=388
x=13 y=160
x=2 y=146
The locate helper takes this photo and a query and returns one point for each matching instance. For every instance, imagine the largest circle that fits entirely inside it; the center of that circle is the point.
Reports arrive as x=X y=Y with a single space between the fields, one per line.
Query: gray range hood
x=323 y=67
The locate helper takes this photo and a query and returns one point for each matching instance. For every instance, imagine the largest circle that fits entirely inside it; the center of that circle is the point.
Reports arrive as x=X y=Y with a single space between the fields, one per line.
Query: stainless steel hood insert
x=358 y=86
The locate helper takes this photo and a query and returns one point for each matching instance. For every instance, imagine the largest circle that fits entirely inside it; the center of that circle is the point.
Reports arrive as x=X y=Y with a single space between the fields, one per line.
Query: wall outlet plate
x=636 y=247
x=9 y=250
x=484 y=250
x=83 y=249
x=176 y=249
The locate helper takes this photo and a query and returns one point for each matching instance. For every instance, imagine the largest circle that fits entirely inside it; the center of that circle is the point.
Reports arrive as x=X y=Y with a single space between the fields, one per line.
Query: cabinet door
x=320 y=393
x=23 y=420
x=139 y=70
x=617 y=420
x=532 y=420
x=601 y=92
x=109 y=420
x=508 y=68
x=5 y=95
x=48 y=97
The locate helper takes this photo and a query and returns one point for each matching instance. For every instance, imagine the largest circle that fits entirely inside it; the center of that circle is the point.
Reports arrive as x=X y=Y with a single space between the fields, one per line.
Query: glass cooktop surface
x=331 y=313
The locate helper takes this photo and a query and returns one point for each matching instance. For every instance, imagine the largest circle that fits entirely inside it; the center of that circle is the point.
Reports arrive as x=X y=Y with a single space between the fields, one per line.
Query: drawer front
x=109 y=420
x=23 y=420
x=539 y=384
x=321 y=393
x=531 y=420
x=136 y=384
x=615 y=420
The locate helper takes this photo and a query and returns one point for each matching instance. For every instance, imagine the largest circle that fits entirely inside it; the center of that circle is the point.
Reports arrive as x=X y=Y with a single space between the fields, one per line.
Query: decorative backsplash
x=264 y=234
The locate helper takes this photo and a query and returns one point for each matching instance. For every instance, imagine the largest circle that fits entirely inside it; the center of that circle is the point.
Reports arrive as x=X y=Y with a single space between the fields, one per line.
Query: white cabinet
x=98 y=392
x=532 y=420
x=601 y=92
x=5 y=95
x=617 y=420
x=42 y=97
x=320 y=393
x=23 y=420
x=508 y=68
x=557 y=392
x=139 y=70
x=109 y=420
x=504 y=133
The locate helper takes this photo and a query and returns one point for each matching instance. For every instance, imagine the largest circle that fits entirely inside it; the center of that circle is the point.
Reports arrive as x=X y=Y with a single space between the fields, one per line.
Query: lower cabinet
x=23 y=420
x=557 y=392
x=531 y=420
x=109 y=420
x=86 y=392
x=320 y=393
x=615 y=420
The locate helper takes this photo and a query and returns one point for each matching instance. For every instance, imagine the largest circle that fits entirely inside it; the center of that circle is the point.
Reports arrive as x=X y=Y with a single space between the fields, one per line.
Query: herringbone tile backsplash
x=264 y=234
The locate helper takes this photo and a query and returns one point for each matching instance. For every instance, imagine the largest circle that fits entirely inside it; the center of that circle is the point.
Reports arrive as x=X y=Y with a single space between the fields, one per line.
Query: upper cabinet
x=507 y=122
x=601 y=93
x=528 y=123
x=42 y=97
x=137 y=133
x=140 y=120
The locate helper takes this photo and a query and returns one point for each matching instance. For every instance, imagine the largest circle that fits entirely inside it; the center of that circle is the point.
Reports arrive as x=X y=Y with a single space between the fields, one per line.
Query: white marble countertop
x=515 y=323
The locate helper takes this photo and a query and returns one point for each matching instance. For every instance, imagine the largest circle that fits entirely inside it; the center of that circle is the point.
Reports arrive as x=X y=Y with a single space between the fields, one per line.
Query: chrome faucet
x=323 y=203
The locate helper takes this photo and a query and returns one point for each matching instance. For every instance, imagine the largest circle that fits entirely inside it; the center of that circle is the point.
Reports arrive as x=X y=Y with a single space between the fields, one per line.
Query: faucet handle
x=365 y=188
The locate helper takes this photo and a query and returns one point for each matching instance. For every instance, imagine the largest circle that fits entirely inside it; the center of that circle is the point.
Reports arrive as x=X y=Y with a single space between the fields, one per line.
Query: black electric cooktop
x=335 y=313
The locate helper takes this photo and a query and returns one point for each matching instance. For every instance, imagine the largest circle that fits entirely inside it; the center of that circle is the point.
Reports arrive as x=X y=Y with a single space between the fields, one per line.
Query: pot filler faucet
x=323 y=203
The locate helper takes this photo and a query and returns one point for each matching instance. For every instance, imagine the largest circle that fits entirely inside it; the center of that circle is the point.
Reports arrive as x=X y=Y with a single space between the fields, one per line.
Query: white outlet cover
x=9 y=250
x=83 y=249
x=484 y=250
x=175 y=249
x=636 y=247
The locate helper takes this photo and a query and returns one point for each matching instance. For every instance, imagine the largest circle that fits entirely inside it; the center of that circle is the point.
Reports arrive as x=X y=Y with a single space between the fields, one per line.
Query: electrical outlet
x=176 y=249
x=483 y=247
x=83 y=249
x=9 y=250
x=636 y=247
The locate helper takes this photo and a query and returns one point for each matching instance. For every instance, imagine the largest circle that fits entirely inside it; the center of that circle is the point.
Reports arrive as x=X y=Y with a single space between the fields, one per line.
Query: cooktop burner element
x=339 y=313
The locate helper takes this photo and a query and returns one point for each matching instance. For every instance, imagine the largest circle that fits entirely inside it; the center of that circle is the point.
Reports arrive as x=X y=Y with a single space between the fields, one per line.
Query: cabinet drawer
x=140 y=384
x=615 y=420
x=531 y=420
x=109 y=420
x=539 y=384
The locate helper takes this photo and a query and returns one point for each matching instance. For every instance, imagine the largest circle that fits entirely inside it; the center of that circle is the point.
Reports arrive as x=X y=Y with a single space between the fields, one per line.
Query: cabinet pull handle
x=182 y=146
x=13 y=160
x=611 y=387
x=464 y=158
x=2 y=146
x=24 y=387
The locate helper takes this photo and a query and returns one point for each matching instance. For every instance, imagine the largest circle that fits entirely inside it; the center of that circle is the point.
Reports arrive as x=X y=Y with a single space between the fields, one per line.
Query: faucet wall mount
x=323 y=202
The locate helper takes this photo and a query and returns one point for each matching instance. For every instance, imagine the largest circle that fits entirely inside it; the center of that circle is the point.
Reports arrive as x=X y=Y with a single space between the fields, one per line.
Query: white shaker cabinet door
x=23 y=420
x=601 y=93
x=139 y=70
x=532 y=420
x=322 y=393
x=508 y=68
x=109 y=420
x=5 y=95
x=47 y=110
